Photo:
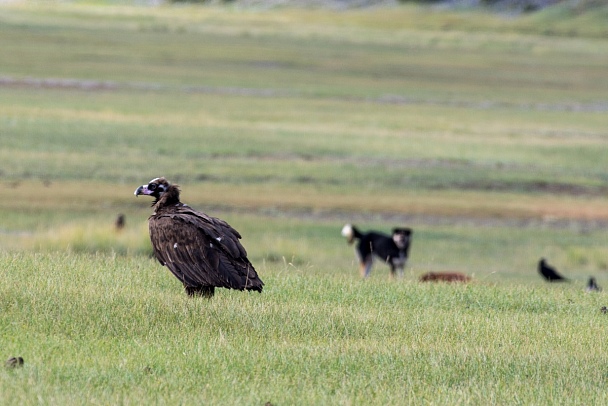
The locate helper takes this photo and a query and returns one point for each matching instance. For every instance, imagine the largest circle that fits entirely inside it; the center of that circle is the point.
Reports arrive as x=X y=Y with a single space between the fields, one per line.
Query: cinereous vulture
x=203 y=252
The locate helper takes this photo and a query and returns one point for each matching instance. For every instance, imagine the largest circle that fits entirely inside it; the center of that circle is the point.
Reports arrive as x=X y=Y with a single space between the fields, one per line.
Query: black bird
x=592 y=285
x=203 y=252
x=549 y=273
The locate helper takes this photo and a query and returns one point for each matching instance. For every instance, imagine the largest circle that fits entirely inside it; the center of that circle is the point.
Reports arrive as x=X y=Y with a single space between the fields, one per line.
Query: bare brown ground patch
x=310 y=201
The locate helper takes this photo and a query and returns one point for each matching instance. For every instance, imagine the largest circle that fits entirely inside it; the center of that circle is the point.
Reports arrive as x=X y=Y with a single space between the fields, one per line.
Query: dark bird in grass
x=549 y=273
x=592 y=286
x=604 y=309
x=203 y=252
x=119 y=224
x=14 y=362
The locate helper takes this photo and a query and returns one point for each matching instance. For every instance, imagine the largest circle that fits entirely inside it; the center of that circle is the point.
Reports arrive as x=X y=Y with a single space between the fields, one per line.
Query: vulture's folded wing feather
x=201 y=252
x=215 y=228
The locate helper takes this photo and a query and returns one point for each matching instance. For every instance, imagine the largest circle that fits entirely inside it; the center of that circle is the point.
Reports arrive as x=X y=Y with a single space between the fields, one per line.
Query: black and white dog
x=392 y=250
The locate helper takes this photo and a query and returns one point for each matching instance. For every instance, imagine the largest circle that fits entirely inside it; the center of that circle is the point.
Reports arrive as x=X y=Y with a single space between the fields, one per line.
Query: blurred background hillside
x=482 y=130
x=511 y=6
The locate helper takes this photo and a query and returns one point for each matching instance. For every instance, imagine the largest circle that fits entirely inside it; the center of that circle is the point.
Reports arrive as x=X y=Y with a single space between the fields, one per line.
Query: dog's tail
x=351 y=233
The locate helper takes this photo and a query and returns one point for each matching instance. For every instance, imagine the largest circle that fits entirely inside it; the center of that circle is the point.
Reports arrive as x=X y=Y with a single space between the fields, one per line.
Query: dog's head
x=401 y=237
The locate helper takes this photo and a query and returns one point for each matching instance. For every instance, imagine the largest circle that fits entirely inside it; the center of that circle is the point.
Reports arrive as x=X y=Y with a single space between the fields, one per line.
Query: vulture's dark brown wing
x=201 y=250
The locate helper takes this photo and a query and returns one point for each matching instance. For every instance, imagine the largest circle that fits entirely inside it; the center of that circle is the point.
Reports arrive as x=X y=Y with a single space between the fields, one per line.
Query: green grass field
x=115 y=330
x=485 y=134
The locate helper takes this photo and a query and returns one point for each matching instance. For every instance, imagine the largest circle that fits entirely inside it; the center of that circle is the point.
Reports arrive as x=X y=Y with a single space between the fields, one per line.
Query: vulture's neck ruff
x=169 y=198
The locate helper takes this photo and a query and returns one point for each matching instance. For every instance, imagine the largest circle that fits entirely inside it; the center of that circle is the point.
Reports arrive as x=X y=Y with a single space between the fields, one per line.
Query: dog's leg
x=393 y=273
x=366 y=267
x=397 y=266
x=400 y=272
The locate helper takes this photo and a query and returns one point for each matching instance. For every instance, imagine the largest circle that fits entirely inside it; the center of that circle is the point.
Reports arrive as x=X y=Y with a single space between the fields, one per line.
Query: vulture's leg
x=204 y=291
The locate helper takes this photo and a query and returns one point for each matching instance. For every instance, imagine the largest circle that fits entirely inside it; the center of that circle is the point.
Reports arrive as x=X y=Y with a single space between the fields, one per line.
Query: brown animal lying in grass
x=444 y=277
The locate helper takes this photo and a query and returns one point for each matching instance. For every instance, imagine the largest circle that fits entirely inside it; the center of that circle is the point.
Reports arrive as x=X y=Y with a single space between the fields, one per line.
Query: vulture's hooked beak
x=142 y=190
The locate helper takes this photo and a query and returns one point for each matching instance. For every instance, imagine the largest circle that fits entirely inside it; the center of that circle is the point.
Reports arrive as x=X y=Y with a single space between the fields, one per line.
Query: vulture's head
x=158 y=188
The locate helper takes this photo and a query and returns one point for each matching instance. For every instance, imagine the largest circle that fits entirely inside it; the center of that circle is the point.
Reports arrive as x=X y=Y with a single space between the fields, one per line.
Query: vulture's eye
x=152 y=186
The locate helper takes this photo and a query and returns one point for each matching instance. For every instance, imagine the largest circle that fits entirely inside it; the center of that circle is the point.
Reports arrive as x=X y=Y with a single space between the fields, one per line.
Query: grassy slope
x=489 y=142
